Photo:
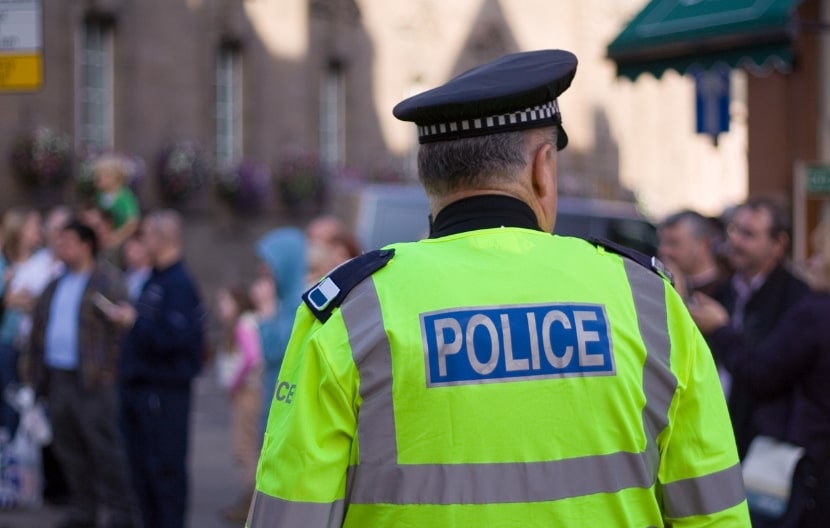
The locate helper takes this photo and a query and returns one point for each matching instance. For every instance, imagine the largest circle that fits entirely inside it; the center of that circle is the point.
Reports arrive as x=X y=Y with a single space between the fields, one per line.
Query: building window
x=228 y=105
x=96 y=84
x=332 y=117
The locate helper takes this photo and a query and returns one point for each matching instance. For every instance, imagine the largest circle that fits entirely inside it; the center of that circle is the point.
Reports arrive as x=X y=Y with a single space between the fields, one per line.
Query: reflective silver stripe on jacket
x=704 y=495
x=373 y=357
x=497 y=483
x=659 y=382
x=265 y=509
x=696 y=496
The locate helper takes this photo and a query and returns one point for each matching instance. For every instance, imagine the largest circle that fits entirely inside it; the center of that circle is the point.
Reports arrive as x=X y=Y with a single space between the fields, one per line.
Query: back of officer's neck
x=437 y=203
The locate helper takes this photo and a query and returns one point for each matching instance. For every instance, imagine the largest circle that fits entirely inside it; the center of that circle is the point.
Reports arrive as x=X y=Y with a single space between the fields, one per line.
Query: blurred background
x=247 y=114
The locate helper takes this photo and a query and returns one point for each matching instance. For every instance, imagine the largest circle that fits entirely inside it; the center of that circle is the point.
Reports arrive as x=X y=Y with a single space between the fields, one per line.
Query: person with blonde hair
x=21 y=237
x=115 y=197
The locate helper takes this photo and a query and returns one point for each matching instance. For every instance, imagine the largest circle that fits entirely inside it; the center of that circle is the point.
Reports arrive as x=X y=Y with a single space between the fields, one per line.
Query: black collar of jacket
x=483 y=212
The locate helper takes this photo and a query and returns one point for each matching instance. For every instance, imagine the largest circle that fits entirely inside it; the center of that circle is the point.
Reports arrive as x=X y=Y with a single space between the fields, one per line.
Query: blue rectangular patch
x=519 y=342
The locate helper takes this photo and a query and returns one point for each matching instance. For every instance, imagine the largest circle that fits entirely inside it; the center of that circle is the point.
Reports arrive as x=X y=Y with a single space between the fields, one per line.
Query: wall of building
x=626 y=138
x=784 y=116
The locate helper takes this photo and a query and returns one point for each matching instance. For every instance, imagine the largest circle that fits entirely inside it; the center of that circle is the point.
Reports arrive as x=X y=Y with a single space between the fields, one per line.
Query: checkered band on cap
x=534 y=116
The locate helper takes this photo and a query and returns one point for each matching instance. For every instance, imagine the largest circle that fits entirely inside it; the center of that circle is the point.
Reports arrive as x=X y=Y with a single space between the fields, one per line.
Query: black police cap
x=515 y=92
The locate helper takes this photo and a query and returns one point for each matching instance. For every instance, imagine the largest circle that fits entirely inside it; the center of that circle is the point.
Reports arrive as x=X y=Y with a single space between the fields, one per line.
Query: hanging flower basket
x=301 y=182
x=181 y=170
x=85 y=172
x=42 y=158
x=244 y=187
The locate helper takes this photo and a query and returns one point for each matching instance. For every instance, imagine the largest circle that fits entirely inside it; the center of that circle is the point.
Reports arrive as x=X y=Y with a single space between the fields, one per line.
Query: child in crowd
x=239 y=369
x=114 y=197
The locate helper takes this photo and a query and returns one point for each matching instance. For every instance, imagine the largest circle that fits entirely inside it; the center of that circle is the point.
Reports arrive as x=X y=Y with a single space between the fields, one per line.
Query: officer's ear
x=544 y=175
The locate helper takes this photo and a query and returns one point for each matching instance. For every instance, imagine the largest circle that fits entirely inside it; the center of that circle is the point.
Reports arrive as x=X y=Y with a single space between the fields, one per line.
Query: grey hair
x=479 y=161
x=167 y=223
x=700 y=227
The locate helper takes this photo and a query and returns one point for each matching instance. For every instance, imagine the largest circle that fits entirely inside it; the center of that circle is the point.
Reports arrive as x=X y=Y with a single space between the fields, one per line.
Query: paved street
x=212 y=478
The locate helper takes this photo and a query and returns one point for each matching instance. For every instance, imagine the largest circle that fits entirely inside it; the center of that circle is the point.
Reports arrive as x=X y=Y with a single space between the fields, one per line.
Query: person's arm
x=699 y=478
x=775 y=364
x=120 y=235
x=21 y=300
x=109 y=286
x=32 y=358
x=114 y=287
x=128 y=204
x=301 y=479
x=117 y=309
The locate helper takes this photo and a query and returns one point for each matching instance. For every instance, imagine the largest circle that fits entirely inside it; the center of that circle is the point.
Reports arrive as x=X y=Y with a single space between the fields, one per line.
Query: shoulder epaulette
x=650 y=263
x=330 y=292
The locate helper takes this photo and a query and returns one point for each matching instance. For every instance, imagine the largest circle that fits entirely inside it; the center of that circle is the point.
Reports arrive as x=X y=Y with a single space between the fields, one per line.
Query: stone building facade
x=271 y=80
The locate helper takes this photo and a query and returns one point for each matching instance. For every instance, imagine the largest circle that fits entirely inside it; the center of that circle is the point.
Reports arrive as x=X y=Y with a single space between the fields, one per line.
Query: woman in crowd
x=21 y=237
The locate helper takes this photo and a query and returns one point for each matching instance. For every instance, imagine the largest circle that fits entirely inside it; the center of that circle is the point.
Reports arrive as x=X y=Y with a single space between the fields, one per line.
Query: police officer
x=495 y=374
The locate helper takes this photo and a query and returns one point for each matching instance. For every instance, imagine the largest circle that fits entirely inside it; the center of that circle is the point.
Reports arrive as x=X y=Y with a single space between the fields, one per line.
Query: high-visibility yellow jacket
x=500 y=377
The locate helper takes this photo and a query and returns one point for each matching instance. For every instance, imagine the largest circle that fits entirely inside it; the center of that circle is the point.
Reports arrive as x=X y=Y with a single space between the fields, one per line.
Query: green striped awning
x=680 y=34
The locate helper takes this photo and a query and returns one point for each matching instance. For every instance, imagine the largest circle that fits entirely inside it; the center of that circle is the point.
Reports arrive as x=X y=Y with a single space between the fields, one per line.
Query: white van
x=383 y=213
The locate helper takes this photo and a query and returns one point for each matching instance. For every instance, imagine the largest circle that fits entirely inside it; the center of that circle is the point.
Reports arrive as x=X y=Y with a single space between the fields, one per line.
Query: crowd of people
x=766 y=321
x=102 y=318
x=257 y=319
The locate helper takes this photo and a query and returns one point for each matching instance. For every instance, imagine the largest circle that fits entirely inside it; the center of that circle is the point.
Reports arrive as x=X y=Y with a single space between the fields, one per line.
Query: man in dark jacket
x=73 y=361
x=760 y=292
x=162 y=354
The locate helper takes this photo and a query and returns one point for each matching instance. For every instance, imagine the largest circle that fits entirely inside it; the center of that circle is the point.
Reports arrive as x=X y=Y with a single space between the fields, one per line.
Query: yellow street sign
x=21 y=43
x=21 y=72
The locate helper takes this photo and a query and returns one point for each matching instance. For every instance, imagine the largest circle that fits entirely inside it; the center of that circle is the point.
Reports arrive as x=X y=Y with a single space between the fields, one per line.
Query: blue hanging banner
x=712 y=101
